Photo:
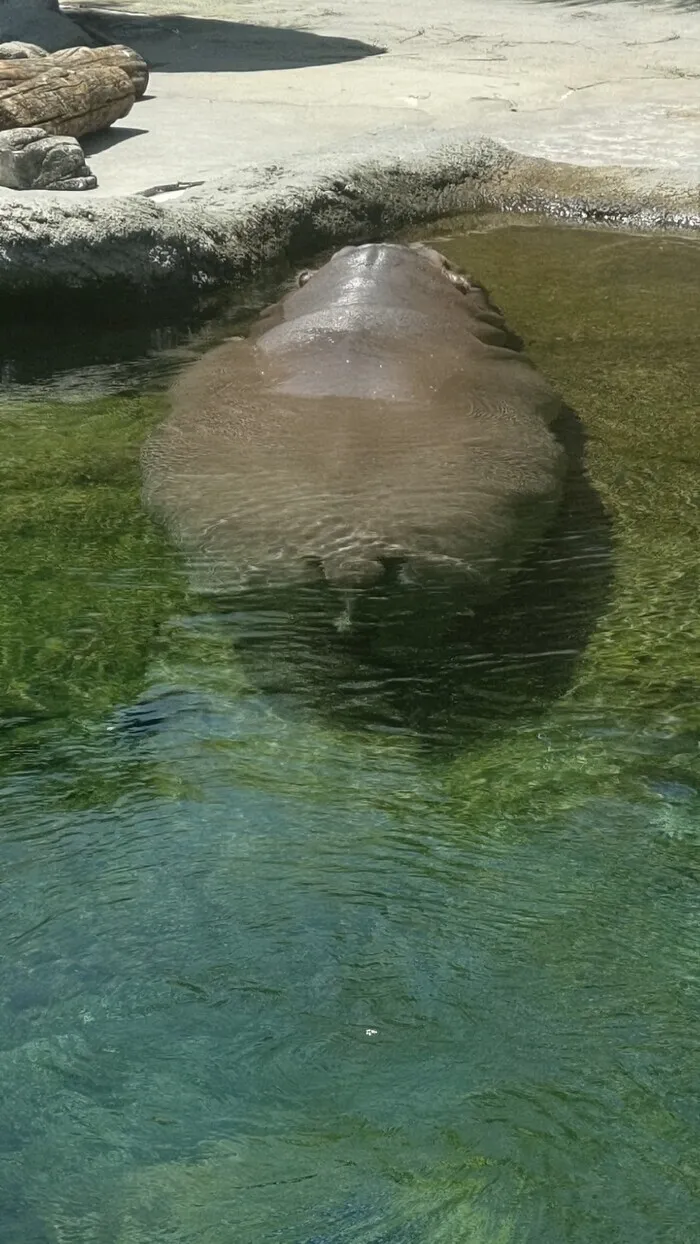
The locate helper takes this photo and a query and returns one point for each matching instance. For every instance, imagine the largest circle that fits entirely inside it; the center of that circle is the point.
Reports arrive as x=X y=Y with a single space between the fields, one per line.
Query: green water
x=270 y=976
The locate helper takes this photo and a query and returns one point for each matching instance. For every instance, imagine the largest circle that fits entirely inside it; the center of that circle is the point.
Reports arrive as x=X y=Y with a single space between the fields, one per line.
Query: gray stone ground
x=267 y=102
x=600 y=83
x=38 y=21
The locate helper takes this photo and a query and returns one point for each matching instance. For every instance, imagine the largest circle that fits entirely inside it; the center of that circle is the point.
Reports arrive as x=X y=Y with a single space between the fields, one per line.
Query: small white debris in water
x=370 y=1032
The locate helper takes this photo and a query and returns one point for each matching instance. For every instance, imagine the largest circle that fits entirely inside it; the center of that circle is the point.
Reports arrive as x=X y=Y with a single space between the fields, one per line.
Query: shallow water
x=269 y=976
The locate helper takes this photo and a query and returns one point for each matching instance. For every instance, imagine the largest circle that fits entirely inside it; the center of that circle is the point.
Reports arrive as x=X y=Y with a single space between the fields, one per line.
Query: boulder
x=20 y=51
x=39 y=22
x=31 y=159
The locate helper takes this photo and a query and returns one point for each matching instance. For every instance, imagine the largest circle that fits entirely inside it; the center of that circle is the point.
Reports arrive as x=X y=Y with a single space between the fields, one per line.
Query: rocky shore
x=275 y=130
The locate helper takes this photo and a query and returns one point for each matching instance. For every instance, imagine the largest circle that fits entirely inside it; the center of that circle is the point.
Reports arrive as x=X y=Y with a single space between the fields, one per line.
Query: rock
x=116 y=56
x=63 y=100
x=231 y=229
x=32 y=159
x=39 y=22
x=20 y=51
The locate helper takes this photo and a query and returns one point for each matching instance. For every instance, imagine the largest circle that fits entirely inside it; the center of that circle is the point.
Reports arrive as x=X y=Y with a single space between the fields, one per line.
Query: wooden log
x=64 y=101
x=13 y=67
x=116 y=55
x=25 y=70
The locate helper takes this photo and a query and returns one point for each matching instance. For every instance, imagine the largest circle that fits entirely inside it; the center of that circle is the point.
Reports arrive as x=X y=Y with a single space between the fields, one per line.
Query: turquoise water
x=299 y=959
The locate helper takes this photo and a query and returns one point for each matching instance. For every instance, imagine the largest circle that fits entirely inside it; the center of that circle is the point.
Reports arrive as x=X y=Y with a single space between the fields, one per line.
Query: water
x=271 y=976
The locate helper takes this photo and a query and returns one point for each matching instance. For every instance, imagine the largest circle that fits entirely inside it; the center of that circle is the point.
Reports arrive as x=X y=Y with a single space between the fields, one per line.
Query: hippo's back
x=360 y=433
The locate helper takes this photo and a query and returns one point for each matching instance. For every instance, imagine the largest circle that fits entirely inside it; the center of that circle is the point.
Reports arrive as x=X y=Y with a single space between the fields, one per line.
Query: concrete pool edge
x=226 y=231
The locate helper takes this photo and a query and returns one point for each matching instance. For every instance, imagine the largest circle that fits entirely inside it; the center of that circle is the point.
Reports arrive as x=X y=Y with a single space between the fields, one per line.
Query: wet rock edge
x=104 y=250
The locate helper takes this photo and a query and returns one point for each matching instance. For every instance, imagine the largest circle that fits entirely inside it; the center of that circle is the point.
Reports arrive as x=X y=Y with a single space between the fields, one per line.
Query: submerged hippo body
x=376 y=426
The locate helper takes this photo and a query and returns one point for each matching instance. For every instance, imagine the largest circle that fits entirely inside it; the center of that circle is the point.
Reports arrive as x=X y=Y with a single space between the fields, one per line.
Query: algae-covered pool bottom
x=266 y=977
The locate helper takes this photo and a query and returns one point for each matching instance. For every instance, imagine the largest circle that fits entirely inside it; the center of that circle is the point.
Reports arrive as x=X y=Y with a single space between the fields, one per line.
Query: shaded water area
x=282 y=962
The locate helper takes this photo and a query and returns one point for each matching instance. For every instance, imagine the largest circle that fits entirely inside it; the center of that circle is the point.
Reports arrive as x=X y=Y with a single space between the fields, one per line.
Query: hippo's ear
x=304 y=276
x=428 y=252
x=454 y=276
x=461 y=282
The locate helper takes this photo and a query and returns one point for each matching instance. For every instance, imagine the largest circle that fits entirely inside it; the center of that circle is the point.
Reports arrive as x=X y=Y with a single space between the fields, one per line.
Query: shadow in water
x=88 y=352
x=172 y=43
x=415 y=666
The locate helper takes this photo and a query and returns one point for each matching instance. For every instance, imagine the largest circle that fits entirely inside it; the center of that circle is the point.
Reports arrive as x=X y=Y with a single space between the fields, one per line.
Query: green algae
x=587 y=915
x=608 y=706
x=87 y=579
x=610 y=319
x=92 y=590
x=95 y=616
x=186 y=1200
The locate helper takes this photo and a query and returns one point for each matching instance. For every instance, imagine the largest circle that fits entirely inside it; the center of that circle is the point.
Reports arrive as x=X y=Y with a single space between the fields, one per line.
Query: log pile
x=48 y=101
x=71 y=93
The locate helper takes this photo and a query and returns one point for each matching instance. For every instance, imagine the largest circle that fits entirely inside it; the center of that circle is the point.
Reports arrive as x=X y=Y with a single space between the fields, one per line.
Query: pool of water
x=274 y=972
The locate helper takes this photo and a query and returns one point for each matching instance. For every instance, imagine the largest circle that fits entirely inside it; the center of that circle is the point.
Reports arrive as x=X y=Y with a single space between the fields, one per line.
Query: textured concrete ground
x=237 y=81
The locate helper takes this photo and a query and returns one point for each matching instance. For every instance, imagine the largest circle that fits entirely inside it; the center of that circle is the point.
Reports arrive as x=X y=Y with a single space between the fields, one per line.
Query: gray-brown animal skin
x=375 y=426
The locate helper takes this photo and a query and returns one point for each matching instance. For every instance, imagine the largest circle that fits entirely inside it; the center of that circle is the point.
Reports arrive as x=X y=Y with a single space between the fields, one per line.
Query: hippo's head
x=386 y=257
x=404 y=276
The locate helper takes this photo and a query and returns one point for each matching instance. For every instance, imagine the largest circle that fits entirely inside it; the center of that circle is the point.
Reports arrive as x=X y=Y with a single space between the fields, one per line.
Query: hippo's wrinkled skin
x=377 y=426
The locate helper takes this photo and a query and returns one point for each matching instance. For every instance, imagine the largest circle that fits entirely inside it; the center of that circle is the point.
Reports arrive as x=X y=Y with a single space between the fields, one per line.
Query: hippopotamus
x=379 y=425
